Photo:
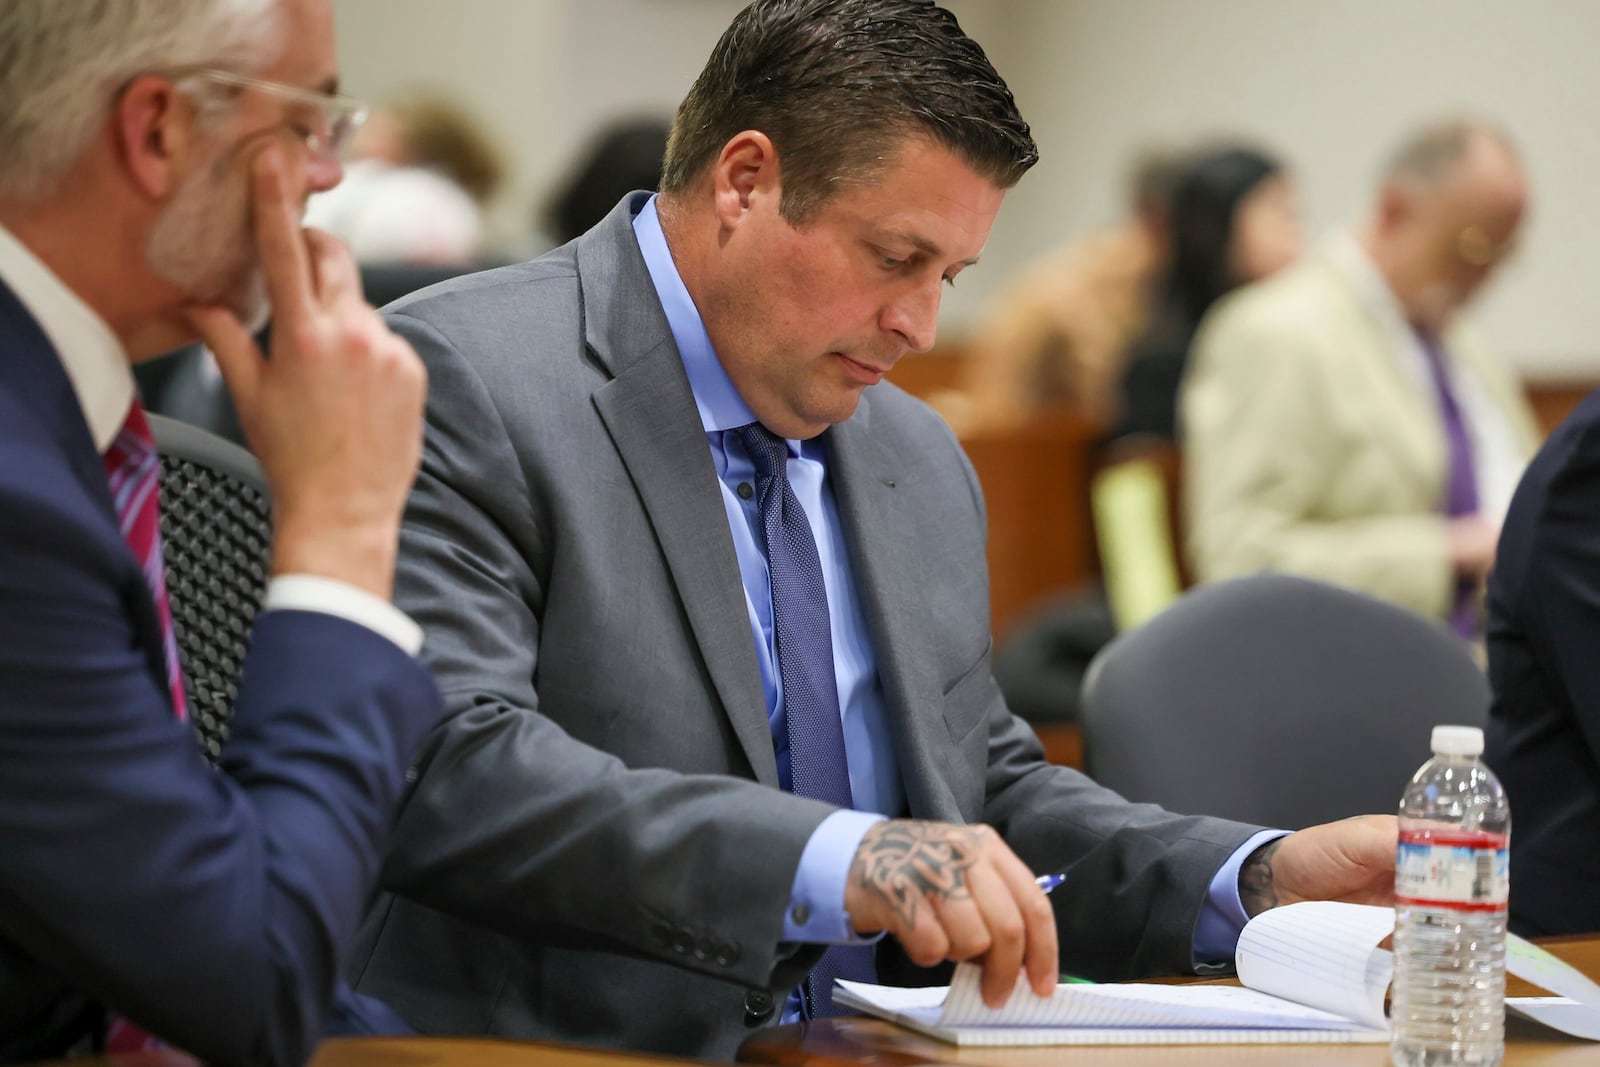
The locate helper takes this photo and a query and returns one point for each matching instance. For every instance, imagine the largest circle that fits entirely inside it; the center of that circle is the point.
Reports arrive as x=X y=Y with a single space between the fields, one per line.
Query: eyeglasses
x=1474 y=248
x=341 y=115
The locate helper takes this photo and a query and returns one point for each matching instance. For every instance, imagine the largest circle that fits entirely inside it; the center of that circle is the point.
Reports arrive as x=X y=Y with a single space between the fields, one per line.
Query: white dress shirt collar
x=94 y=359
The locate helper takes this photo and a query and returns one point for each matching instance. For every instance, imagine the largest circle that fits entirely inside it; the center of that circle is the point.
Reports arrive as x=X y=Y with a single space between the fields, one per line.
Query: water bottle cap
x=1457 y=740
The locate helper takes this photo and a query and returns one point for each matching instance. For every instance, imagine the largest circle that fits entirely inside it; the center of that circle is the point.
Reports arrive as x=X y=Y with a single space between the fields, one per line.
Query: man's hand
x=1473 y=543
x=959 y=893
x=335 y=415
x=1351 y=860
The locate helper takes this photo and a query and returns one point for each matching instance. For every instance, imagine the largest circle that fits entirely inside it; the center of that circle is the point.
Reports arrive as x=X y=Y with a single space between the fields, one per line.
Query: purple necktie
x=817 y=763
x=1461 y=487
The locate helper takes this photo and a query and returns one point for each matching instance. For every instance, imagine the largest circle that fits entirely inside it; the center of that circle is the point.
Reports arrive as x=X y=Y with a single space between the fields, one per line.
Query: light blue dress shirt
x=875 y=782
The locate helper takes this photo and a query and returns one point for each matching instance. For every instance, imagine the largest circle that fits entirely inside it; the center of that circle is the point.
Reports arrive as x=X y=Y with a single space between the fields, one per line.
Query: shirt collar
x=92 y=356
x=1371 y=289
x=721 y=407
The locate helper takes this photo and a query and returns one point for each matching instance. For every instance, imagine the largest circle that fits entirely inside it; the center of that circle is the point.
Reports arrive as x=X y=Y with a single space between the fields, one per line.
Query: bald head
x=1450 y=207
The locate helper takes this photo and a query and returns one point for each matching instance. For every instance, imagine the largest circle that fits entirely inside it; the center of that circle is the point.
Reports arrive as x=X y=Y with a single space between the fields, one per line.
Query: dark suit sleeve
x=213 y=909
x=1138 y=875
x=1557 y=551
x=515 y=823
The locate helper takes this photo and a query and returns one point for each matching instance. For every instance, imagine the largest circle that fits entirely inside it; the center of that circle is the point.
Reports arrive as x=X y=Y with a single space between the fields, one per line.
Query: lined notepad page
x=1102 y=1015
x=1323 y=953
x=1132 y=1006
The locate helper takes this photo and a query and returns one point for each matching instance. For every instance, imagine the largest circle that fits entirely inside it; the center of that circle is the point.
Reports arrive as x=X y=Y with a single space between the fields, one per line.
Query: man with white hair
x=1340 y=423
x=157 y=157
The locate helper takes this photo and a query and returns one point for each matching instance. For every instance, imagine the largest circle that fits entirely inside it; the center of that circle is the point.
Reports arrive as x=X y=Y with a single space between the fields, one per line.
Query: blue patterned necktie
x=804 y=639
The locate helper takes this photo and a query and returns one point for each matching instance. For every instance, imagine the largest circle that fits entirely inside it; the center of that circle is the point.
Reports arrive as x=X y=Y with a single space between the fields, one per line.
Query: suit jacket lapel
x=31 y=367
x=889 y=578
x=36 y=373
x=1399 y=412
x=649 y=411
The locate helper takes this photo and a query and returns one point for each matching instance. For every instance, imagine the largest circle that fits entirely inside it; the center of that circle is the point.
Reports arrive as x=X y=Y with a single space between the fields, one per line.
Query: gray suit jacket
x=602 y=803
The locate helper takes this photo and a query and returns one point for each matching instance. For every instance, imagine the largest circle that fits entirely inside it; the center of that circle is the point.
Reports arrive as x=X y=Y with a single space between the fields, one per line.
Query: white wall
x=1331 y=84
x=498 y=57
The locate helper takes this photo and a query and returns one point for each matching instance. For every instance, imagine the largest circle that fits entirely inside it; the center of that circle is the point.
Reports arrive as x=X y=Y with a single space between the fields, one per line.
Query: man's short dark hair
x=838 y=85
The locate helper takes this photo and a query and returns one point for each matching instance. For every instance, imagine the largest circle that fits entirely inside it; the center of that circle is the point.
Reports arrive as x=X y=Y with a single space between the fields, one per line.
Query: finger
x=963 y=922
x=238 y=358
x=926 y=941
x=1041 y=950
x=1003 y=929
x=335 y=276
x=284 y=261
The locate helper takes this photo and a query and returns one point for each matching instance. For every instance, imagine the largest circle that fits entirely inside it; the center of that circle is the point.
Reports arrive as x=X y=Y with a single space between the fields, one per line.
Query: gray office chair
x=216 y=537
x=1275 y=700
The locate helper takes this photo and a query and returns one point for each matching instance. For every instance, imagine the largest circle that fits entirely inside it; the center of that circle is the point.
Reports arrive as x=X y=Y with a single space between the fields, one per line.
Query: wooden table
x=858 y=1042
x=861 y=1042
x=415 y=1052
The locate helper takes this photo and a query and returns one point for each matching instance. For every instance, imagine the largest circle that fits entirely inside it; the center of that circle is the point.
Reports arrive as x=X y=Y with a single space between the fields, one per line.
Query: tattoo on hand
x=1256 y=890
x=904 y=860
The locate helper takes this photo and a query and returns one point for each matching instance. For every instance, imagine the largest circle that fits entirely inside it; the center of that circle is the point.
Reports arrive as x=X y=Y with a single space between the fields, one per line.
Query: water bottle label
x=1460 y=870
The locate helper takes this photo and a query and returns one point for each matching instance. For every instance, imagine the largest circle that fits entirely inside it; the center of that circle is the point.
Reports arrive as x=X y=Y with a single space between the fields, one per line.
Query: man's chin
x=249 y=303
x=1437 y=306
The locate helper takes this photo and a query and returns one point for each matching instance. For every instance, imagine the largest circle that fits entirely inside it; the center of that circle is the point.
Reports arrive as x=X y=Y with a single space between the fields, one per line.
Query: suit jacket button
x=661 y=934
x=727 y=956
x=704 y=948
x=758 y=1007
x=683 y=941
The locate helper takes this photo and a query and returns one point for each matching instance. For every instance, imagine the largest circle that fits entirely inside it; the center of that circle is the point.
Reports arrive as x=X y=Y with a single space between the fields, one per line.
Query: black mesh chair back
x=1275 y=700
x=216 y=536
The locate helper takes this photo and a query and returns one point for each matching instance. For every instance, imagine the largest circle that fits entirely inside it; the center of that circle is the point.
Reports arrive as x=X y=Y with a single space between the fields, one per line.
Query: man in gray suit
x=709 y=603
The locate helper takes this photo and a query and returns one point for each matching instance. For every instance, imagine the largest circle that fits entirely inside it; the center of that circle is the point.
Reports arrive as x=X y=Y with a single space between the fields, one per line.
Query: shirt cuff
x=816 y=912
x=308 y=592
x=1222 y=917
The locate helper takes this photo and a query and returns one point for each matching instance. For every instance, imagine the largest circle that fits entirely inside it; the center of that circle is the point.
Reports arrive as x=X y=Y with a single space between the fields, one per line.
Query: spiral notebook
x=1313 y=973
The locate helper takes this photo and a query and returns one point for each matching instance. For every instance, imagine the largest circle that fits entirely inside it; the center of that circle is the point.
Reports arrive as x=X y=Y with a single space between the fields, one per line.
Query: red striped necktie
x=134 y=471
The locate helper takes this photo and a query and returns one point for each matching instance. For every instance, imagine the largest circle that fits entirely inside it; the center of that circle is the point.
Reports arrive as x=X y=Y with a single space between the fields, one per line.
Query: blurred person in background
x=1056 y=337
x=1339 y=420
x=621 y=158
x=1232 y=220
x=422 y=168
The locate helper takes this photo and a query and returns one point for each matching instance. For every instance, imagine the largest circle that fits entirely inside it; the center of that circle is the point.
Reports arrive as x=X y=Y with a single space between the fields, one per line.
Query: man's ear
x=153 y=127
x=1396 y=205
x=744 y=177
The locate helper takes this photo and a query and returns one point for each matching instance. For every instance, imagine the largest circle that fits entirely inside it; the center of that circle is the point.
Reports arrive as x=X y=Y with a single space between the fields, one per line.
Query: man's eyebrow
x=923 y=245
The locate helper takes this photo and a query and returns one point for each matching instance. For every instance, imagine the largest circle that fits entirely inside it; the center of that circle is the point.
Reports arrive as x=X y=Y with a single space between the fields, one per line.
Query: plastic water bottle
x=1451 y=883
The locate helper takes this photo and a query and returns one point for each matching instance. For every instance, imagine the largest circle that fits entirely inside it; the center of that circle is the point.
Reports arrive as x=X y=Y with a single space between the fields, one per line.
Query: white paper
x=1322 y=953
x=1533 y=964
x=1560 y=1013
x=1134 y=1006
x=1315 y=973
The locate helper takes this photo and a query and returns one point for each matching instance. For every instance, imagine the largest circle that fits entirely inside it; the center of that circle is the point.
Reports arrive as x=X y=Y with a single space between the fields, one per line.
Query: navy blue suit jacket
x=1543 y=738
x=213 y=909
